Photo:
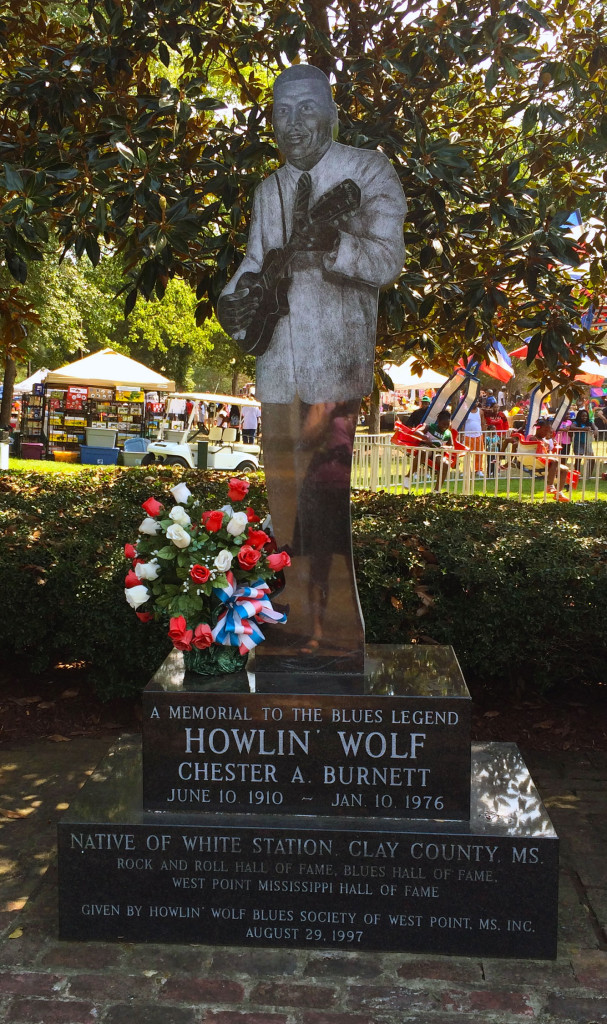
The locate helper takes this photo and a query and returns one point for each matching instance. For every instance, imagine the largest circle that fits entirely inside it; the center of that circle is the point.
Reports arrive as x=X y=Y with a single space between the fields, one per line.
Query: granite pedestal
x=321 y=819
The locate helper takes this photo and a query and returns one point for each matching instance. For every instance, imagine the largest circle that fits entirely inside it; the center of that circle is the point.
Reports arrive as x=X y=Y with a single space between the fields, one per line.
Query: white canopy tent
x=26 y=387
x=404 y=377
x=210 y=396
x=109 y=369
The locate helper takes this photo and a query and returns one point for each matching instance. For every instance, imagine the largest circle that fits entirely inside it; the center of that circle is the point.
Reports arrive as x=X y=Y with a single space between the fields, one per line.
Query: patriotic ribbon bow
x=244 y=608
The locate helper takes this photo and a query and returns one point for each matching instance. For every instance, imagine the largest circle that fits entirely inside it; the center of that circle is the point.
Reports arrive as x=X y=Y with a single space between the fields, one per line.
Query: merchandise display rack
x=72 y=410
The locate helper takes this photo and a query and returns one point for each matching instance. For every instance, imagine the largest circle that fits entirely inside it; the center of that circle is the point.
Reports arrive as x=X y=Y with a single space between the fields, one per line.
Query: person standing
x=473 y=436
x=249 y=422
x=497 y=427
x=582 y=432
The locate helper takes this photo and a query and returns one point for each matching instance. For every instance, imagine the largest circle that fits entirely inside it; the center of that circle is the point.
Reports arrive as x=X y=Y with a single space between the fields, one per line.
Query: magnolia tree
x=144 y=128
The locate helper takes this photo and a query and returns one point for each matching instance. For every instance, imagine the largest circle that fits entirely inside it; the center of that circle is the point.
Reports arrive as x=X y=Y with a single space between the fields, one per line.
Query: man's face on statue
x=303 y=123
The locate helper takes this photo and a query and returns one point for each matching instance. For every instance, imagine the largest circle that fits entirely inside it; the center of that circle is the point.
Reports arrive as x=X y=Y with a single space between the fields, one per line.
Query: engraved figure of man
x=318 y=364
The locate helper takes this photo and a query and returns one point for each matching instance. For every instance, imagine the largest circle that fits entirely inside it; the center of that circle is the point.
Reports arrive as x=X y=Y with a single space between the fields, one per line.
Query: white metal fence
x=381 y=466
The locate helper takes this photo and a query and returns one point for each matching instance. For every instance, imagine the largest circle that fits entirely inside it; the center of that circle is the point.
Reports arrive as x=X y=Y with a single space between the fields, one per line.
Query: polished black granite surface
x=398 y=670
x=487 y=886
x=400 y=748
x=504 y=799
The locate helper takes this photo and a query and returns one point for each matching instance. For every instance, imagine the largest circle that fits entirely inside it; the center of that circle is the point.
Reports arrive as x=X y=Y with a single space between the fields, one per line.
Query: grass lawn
x=587 y=493
x=391 y=475
x=516 y=491
x=48 y=466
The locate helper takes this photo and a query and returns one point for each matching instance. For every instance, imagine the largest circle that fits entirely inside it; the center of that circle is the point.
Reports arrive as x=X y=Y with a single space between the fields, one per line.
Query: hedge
x=519 y=591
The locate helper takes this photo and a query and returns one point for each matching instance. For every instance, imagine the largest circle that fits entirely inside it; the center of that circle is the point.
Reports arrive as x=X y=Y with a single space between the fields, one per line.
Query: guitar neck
x=340 y=200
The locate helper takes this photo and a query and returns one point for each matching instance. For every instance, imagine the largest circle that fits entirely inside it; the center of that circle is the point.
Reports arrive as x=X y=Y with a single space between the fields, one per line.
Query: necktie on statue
x=301 y=205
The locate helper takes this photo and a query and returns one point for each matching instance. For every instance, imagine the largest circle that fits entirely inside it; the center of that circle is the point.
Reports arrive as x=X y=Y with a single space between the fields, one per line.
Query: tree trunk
x=374 y=411
x=10 y=372
x=235 y=377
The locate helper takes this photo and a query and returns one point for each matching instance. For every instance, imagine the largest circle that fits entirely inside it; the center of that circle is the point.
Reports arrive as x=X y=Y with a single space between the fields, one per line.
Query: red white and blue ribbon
x=244 y=608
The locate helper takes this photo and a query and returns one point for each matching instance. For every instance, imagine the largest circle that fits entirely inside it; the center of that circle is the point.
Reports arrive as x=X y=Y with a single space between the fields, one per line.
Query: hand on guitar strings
x=236 y=311
x=315 y=237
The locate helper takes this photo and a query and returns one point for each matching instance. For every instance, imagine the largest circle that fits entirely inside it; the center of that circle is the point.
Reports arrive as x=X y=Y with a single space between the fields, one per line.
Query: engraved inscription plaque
x=402 y=750
x=352 y=756
x=484 y=887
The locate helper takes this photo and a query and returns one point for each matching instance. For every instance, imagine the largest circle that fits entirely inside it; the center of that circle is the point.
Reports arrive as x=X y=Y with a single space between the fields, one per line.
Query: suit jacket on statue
x=323 y=349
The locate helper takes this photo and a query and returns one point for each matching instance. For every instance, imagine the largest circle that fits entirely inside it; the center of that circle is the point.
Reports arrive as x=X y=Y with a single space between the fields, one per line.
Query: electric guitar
x=271 y=284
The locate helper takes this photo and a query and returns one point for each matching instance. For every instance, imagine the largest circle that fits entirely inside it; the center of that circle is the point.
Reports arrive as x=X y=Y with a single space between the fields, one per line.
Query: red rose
x=248 y=557
x=145 y=616
x=179 y=634
x=200 y=573
x=258 y=538
x=252 y=515
x=279 y=561
x=130 y=551
x=237 y=489
x=131 y=579
x=203 y=636
x=152 y=507
x=213 y=520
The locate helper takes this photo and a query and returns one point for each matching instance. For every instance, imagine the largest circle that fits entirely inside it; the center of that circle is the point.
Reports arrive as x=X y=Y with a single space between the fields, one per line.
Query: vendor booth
x=94 y=407
x=28 y=439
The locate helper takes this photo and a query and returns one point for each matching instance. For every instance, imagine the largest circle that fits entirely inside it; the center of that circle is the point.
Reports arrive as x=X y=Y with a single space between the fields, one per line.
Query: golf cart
x=193 y=447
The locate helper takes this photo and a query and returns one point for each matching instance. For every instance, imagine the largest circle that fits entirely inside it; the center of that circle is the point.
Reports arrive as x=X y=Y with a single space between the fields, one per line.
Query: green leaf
x=129 y=302
x=92 y=249
x=426 y=256
x=529 y=118
x=17 y=267
x=14 y=181
x=510 y=67
x=126 y=152
x=533 y=347
x=534 y=14
x=426 y=306
x=167 y=552
x=491 y=77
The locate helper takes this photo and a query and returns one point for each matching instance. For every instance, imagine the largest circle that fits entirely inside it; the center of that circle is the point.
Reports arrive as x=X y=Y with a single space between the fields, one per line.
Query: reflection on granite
x=400 y=670
x=393 y=670
x=504 y=801
x=308 y=459
x=172 y=677
x=506 y=797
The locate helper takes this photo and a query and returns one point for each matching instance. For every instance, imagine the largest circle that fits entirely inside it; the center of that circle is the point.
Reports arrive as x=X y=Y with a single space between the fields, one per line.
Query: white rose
x=136 y=595
x=181 y=492
x=228 y=509
x=177 y=534
x=150 y=526
x=179 y=515
x=238 y=524
x=147 y=570
x=223 y=562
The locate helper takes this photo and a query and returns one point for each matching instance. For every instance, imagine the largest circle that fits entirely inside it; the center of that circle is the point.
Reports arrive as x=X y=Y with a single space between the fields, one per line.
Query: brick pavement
x=44 y=981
